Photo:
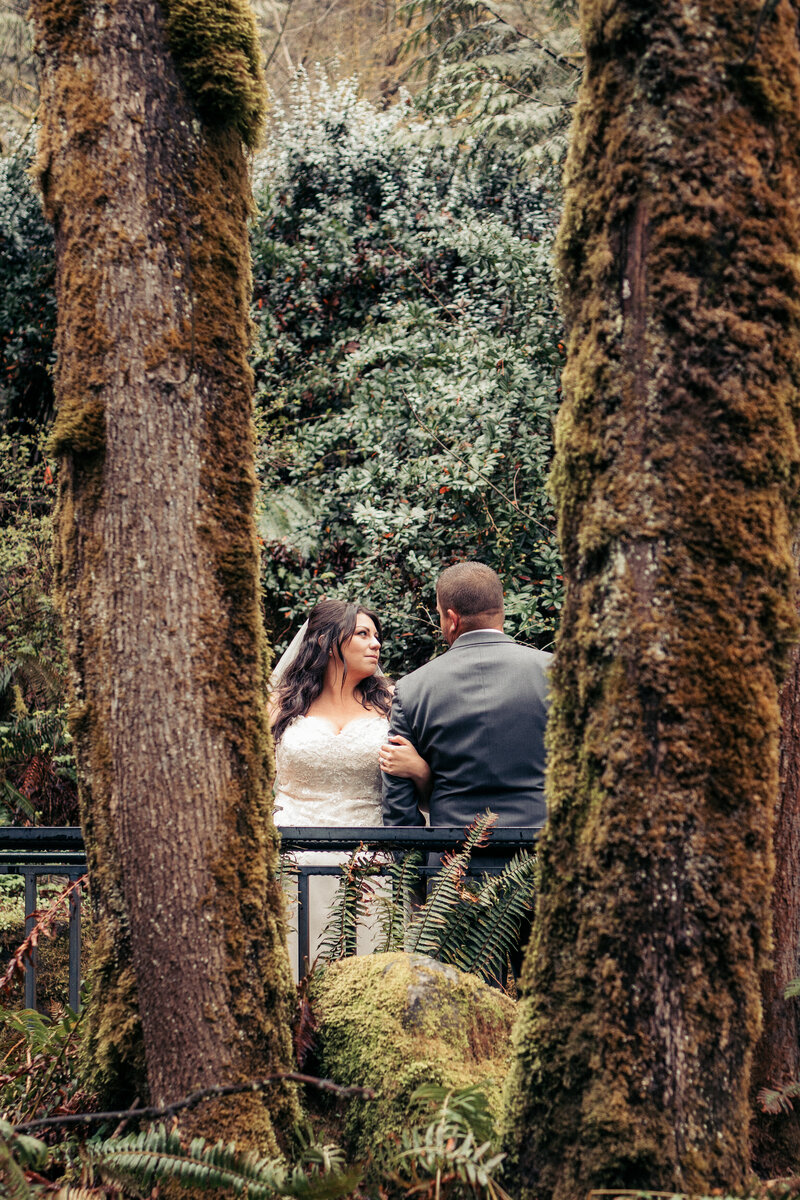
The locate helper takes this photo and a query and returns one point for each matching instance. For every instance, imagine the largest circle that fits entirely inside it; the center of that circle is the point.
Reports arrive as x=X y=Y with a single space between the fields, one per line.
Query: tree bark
x=143 y=173
x=776 y=1137
x=675 y=480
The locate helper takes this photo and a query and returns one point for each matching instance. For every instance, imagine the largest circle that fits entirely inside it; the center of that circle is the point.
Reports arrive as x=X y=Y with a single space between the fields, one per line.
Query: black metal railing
x=59 y=850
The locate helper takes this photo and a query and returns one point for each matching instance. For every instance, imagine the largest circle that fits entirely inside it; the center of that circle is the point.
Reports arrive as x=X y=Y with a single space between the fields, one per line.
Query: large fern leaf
x=428 y=927
x=502 y=904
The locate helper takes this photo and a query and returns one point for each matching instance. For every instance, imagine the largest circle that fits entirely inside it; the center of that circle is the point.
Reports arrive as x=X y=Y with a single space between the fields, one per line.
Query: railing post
x=303 y=914
x=75 y=949
x=30 y=921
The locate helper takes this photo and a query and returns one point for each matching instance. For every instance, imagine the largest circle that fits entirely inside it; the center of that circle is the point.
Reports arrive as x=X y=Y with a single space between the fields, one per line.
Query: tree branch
x=169 y=1110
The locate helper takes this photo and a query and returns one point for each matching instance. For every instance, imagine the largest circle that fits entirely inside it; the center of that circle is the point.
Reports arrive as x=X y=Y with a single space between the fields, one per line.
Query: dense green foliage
x=36 y=776
x=407 y=364
x=27 y=295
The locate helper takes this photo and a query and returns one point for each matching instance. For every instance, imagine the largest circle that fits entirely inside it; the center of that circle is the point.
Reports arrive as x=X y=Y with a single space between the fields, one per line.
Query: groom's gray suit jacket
x=477 y=716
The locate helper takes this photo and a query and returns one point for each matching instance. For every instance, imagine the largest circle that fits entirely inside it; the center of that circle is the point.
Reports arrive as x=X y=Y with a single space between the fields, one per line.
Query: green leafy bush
x=407 y=358
x=407 y=367
x=27 y=294
x=37 y=775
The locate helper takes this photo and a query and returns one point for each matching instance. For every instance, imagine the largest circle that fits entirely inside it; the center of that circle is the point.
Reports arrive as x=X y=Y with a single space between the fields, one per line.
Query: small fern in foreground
x=453 y=1155
x=158 y=1155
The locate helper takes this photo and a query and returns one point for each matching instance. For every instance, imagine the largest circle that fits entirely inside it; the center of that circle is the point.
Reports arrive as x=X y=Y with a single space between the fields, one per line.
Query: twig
x=281 y=32
x=22 y=112
x=545 y=49
x=168 y=1110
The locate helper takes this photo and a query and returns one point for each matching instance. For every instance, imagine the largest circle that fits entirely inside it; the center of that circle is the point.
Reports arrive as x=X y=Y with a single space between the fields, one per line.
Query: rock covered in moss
x=395 y=1021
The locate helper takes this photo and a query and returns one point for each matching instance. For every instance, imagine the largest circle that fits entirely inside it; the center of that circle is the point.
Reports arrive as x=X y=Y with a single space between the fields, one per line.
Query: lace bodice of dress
x=327 y=778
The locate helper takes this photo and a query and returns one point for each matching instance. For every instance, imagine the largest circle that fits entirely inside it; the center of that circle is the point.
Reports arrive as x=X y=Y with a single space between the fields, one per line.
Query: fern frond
x=394 y=909
x=428 y=926
x=349 y=907
x=158 y=1155
x=503 y=903
x=12 y=800
x=466 y=1108
x=447 y=1146
x=12 y=1177
x=485 y=60
x=778 y=1100
x=17 y=1152
x=459 y=925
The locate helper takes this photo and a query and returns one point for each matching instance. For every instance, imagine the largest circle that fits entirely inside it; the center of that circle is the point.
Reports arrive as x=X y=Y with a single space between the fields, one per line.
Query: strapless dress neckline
x=329 y=777
x=338 y=732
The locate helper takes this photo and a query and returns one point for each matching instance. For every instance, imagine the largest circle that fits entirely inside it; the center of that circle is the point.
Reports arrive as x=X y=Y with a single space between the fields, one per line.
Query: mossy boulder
x=395 y=1021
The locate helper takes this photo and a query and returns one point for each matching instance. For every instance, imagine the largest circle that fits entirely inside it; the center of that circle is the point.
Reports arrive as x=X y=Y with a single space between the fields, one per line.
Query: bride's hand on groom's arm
x=398 y=757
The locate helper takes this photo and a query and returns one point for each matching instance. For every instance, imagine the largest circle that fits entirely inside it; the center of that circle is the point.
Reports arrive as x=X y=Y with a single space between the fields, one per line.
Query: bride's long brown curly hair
x=330 y=625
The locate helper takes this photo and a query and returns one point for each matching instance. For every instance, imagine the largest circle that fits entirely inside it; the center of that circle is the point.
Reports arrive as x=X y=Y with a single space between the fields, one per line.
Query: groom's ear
x=455 y=622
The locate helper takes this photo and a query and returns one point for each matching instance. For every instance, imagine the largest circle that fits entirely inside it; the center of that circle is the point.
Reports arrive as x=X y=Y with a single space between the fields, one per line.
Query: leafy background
x=407 y=360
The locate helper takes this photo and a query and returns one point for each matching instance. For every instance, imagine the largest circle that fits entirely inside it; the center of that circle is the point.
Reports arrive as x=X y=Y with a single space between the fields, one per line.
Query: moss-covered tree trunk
x=676 y=486
x=145 y=109
x=776 y=1137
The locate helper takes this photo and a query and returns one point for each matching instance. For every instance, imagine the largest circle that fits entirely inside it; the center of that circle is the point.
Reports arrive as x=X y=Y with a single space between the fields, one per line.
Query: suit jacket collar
x=480 y=638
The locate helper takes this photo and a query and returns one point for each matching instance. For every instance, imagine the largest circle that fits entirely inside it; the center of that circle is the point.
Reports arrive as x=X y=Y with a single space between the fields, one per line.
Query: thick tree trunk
x=144 y=177
x=676 y=485
x=776 y=1138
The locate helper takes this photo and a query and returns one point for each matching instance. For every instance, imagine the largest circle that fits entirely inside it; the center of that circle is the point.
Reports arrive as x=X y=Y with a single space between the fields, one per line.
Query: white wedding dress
x=326 y=779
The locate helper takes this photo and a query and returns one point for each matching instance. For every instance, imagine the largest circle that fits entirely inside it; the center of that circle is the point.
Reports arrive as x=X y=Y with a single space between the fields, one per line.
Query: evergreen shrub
x=407 y=362
x=27 y=293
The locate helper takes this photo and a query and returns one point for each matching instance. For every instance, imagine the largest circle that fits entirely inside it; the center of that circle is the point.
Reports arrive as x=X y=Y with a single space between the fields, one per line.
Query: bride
x=329 y=711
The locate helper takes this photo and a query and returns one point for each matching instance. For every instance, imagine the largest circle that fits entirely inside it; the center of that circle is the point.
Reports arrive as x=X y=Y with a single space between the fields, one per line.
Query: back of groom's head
x=474 y=591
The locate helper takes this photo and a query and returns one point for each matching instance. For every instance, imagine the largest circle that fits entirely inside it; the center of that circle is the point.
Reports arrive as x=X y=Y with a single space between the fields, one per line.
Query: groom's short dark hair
x=470 y=588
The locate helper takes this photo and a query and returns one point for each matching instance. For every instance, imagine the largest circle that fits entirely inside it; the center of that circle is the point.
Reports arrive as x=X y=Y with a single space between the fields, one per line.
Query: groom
x=477 y=714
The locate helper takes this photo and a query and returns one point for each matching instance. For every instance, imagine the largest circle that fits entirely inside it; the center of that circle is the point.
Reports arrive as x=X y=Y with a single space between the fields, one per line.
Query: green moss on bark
x=675 y=480
x=216 y=49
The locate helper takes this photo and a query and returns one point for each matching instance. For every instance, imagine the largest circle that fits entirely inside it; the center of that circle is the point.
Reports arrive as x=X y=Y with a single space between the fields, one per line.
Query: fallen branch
x=169 y=1110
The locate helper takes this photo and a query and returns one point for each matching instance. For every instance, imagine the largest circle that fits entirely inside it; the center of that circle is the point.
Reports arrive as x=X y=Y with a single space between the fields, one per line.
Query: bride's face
x=362 y=651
